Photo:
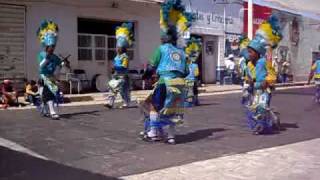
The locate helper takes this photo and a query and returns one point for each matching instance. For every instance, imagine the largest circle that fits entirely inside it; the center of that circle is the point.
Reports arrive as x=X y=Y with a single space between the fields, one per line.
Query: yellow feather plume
x=267 y=31
x=50 y=27
x=193 y=47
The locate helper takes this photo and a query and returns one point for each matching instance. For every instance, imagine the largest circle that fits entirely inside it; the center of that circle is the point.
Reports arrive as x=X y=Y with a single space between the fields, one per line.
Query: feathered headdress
x=48 y=33
x=174 y=20
x=268 y=34
x=270 y=30
x=124 y=35
x=193 y=48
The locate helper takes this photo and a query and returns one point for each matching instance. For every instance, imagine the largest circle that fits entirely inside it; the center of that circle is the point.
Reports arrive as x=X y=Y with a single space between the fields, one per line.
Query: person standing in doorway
x=285 y=70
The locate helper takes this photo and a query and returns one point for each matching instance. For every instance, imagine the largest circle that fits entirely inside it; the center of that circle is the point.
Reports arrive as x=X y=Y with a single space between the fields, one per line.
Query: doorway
x=209 y=59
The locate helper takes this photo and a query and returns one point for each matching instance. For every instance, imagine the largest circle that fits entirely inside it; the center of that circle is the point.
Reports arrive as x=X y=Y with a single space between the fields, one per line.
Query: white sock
x=171 y=131
x=153 y=118
x=51 y=107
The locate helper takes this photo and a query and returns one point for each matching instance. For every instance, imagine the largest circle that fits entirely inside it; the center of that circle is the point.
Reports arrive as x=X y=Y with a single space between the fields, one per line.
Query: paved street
x=92 y=139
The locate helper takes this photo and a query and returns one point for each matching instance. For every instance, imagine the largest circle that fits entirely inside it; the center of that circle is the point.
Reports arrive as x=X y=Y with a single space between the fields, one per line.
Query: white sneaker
x=171 y=141
x=152 y=136
x=125 y=105
x=55 y=116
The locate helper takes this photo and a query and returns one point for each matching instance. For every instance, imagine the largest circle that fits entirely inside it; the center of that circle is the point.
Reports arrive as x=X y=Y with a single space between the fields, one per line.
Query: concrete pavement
x=296 y=161
x=98 y=140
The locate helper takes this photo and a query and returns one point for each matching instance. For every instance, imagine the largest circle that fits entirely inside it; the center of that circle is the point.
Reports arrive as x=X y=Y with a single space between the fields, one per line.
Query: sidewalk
x=207 y=88
x=294 y=161
x=99 y=97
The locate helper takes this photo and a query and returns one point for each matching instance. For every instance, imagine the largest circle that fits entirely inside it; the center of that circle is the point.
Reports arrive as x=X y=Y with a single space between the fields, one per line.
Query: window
x=96 y=40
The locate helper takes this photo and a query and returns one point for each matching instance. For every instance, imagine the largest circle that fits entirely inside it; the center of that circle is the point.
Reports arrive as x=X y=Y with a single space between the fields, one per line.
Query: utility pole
x=250 y=19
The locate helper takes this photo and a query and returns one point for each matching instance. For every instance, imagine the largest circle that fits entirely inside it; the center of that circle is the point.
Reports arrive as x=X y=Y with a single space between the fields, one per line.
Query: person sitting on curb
x=32 y=93
x=9 y=94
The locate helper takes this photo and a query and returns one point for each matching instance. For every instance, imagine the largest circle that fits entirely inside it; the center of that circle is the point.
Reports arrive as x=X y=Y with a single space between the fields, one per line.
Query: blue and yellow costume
x=171 y=67
x=192 y=50
x=47 y=73
x=48 y=62
x=121 y=64
x=47 y=34
x=263 y=75
x=316 y=69
x=245 y=68
x=315 y=73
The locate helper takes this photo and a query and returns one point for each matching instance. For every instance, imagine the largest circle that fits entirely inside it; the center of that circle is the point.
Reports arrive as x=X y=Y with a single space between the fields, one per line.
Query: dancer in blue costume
x=48 y=62
x=247 y=90
x=315 y=73
x=120 y=64
x=267 y=36
x=169 y=61
x=192 y=50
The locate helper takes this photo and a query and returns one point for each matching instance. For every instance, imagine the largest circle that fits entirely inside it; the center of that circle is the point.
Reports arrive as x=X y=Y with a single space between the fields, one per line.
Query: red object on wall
x=260 y=13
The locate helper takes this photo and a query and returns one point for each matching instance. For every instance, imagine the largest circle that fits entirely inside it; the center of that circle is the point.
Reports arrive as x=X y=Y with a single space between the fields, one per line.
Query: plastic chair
x=227 y=80
x=71 y=78
x=81 y=75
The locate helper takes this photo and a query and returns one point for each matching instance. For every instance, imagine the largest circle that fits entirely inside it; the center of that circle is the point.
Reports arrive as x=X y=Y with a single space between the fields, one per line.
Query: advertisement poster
x=260 y=13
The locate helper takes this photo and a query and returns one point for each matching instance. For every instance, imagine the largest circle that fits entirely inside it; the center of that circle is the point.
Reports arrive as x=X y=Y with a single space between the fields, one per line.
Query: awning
x=308 y=8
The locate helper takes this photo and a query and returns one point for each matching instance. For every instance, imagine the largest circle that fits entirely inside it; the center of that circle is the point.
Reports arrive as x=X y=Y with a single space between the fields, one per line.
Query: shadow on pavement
x=197 y=135
x=118 y=108
x=70 y=115
x=285 y=126
x=15 y=166
x=208 y=104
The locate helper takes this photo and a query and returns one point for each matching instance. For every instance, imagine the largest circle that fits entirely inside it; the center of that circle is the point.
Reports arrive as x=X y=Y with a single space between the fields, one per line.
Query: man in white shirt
x=230 y=66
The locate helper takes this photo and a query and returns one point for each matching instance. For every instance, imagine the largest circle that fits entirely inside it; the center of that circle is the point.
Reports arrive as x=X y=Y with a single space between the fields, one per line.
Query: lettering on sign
x=210 y=18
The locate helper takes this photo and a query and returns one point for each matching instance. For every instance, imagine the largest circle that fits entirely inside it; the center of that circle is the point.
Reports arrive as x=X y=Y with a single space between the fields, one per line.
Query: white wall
x=65 y=14
x=301 y=55
x=309 y=41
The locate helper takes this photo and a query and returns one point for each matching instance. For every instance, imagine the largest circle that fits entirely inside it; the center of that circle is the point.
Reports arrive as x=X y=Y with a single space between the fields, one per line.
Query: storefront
x=212 y=26
x=86 y=31
x=12 y=42
x=300 y=43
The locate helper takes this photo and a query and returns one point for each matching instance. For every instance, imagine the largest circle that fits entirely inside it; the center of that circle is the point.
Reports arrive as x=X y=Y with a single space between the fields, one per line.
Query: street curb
x=235 y=89
x=98 y=100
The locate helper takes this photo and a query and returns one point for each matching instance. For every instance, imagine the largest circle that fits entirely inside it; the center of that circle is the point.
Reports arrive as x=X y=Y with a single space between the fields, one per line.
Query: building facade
x=216 y=22
x=86 y=32
x=300 y=44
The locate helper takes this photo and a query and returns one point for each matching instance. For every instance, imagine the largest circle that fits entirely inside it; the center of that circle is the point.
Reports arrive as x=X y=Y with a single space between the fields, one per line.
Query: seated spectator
x=9 y=94
x=32 y=93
